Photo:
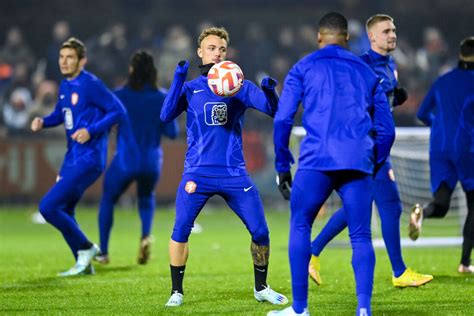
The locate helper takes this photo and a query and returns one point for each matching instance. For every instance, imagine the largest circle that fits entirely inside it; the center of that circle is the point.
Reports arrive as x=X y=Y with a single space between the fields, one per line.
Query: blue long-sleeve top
x=139 y=133
x=386 y=69
x=214 y=123
x=441 y=107
x=85 y=102
x=346 y=114
x=464 y=139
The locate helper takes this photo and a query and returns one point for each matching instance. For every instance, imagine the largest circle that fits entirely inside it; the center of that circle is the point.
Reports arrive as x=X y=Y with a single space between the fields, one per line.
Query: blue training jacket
x=465 y=133
x=346 y=114
x=386 y=69
x=441 y=108
x=214 y=123
x=139 y=134
x=85 y=102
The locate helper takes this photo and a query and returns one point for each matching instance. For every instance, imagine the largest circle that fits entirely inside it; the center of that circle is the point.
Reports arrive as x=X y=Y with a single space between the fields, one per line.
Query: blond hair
x=374 y=19
x=217 y=31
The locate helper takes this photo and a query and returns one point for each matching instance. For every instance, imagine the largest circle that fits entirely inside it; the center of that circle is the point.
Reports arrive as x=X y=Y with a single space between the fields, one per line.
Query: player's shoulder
x=88 y=78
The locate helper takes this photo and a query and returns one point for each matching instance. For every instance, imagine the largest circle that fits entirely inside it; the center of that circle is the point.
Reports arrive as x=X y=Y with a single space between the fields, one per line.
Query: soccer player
x=346 y=115
x=441 y=110
x=138 y=156
x=383 y=40
x=214 y=163
x=88 y=110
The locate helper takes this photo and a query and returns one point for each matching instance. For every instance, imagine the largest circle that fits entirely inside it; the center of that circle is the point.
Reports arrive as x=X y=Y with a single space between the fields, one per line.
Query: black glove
x=284 y=182
x=182 y=67
x=400 y=95
x=269 y=83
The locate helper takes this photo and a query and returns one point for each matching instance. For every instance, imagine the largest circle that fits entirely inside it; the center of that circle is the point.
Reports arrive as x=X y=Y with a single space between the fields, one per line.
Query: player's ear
x=82 y=62
x=371 y=37
x=199 y=52
x=319 y=38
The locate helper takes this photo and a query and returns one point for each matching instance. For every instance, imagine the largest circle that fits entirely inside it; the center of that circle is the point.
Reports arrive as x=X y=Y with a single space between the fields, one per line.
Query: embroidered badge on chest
x=215 y=113
x=74 y=98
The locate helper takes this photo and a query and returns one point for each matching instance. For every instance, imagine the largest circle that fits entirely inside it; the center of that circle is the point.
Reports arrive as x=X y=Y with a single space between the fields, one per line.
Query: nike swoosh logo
x=246 y=189
x=197 y=91
x=260 y=270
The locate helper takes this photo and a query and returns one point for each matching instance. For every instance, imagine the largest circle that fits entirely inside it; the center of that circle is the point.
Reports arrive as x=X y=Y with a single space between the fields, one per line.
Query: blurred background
x=266 y=38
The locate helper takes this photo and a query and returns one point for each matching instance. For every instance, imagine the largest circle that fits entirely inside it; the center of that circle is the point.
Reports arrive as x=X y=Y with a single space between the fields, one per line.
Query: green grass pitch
x=219 y=277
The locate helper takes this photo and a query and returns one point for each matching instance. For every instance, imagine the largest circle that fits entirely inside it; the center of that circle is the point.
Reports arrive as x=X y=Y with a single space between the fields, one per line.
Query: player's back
x=450 y=94
x=143 y=128
x=337 y=101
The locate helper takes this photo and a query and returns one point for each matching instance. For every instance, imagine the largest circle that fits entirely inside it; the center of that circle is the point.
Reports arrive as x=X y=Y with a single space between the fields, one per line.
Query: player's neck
x=380 y=51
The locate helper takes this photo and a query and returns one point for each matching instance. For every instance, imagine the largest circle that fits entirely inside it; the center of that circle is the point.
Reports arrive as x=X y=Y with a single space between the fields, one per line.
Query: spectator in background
x=176 y=46
x=16 y=111
x=44 y=103
x=109 y=52
x=15 y=50
x=432 y=58
x=61 y=32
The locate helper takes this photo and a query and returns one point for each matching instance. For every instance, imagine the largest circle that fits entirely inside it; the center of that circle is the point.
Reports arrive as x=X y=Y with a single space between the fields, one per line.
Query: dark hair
x=334 y=22
x=77 y=45
x=467 y=47
x=143 y=70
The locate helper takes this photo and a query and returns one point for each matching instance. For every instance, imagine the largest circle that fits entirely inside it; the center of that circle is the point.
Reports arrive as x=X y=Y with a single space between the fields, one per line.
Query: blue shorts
x=240 y=193
x=451 y=168
x=71 y=185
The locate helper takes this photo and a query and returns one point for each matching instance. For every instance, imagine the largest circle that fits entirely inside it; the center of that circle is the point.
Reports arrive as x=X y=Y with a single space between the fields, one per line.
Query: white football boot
x=289 y=311
x=176 y=299
x=83 y=263
x=269 y=295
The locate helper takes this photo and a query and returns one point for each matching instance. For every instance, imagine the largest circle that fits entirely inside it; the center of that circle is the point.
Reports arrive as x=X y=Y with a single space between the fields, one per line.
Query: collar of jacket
x=205 y=68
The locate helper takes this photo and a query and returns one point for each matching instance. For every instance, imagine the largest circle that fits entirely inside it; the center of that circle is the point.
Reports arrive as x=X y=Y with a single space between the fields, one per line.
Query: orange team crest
x=391 y=175
x=190 y=187
x=74 y=98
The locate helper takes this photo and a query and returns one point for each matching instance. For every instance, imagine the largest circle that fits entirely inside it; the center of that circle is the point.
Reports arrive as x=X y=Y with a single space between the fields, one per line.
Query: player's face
x=69 y=62
x=383 y=37
x=213 y=49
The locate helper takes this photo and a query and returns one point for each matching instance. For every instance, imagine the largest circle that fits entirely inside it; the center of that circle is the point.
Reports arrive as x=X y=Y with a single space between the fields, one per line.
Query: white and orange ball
x=225 y=78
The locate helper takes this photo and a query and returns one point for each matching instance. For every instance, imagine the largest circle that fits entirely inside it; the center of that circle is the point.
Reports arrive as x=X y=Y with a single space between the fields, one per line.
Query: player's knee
x=181 y=232
x=261 y=236
x=47 y=208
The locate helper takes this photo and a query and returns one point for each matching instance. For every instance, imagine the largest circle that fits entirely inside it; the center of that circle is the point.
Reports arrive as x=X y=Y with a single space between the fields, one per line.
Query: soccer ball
x=225 y=78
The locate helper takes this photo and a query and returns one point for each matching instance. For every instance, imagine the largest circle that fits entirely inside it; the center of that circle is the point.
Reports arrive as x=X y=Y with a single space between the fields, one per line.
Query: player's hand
x=269 y=83
x=284 y=182
x=81 y=136
x=400 y=95
x=37 y=124
x=182 y=67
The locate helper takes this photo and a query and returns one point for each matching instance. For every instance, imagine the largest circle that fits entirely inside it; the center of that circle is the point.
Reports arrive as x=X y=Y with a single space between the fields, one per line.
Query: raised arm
x=109 y=103
x=175 y=101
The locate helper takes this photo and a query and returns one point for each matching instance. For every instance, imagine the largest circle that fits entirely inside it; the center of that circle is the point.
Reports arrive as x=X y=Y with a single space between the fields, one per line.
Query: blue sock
x=106 y=219
x=363 y=305
x=333 y=227
x=146 y=207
